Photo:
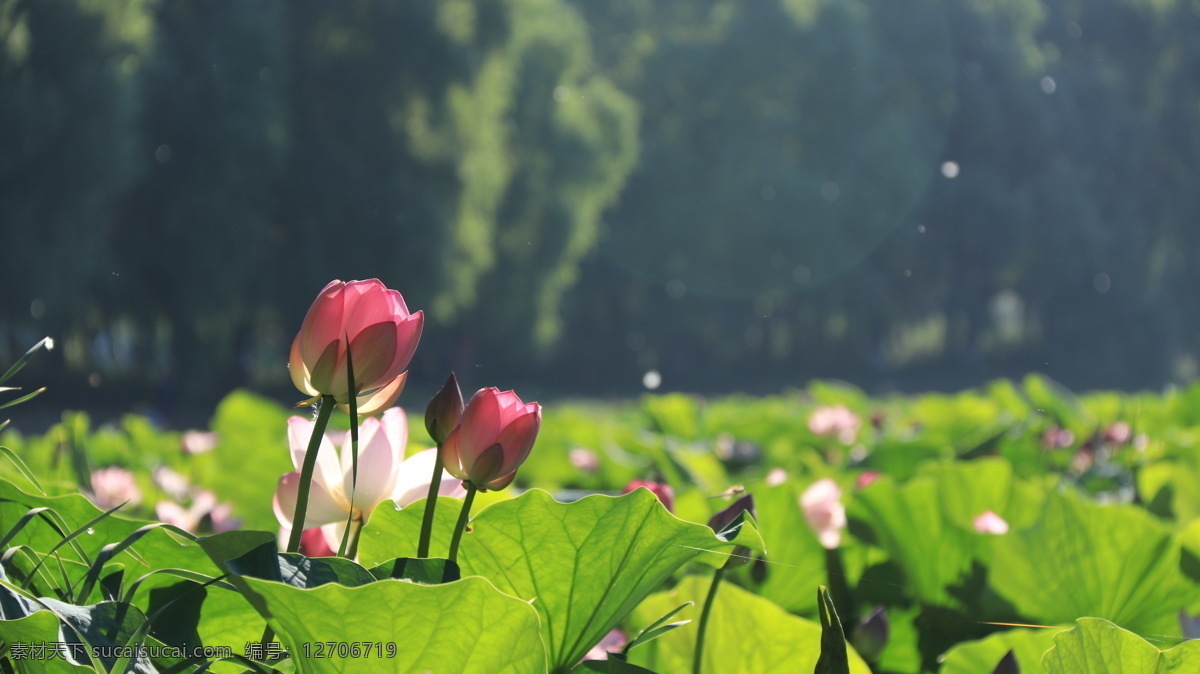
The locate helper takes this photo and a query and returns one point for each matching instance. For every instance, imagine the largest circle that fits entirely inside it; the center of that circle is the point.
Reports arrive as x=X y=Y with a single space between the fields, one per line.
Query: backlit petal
x=322 y=508
x=323 y=322
x=380 y=399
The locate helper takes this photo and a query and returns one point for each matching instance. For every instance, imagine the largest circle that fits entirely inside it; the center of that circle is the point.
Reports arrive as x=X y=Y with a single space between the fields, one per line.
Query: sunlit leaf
x=1096 y=646
x=973 y=657
x=1082 y=559
x=746 y=633
x=466 y=626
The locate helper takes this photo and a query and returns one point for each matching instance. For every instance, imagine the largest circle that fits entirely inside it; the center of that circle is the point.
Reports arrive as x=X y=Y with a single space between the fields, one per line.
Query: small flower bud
x=444 y=410
x=871 y=634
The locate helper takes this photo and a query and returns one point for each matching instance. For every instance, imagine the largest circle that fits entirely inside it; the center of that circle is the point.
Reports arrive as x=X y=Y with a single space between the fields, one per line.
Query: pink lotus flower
x=776 y=477
x=584 y=459
x=660 y=489
x=383 y=474
x=989 y=522
x=371 y=323
x=412 y=480
x=203 y=514
x=175 y=485
x=1118 y=433
x=824 y=512
x=113 y=486
x=835 y=420
x=198 y=442
x=314 y=543
x=493 y=439
x=1057 y=438
x=612 y=642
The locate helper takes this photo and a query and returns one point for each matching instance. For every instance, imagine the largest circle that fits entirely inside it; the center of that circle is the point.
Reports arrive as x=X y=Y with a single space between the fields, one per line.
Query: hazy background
x=735 y=195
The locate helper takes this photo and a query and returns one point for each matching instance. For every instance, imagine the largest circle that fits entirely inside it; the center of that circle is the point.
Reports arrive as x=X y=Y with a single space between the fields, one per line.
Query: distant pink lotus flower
x=493 y=438
x=367 y=323
x=172 y=483
x=1118 y=433
x=824 y=512
x=113 y=486
x=1057 y=438
x=776 y=477
x=1141 y=441
x=835 y=421
x=383 y=474
x=1083 y=459
x=584 y=459
x=866 y=479
x=205 y=513
x=989 y=522
x=198 y=442
x=612 y=642
x=660 y=489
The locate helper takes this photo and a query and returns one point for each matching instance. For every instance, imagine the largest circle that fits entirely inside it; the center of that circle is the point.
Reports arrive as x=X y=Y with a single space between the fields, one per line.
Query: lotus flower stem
x=327 y=404
x=839 y=589
x=353 y=534
x=698 y=658
x=462 y=521
x=435 y=483
x=350 y=385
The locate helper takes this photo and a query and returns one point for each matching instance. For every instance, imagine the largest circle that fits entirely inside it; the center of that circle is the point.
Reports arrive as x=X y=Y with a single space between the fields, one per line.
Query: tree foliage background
x=738 y=194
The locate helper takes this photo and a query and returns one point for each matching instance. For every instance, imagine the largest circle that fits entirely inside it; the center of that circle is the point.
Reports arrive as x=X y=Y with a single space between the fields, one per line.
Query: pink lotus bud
x=114 y=486
x=835 y=420
x=824 y=512
x=444 y=410
x=367 y=322
x=492 y=440
x=584 y=459
x=660 y=489
x=989 y=522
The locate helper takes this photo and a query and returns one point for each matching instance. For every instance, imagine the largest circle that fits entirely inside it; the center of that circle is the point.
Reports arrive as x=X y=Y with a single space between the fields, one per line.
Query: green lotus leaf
x=1082 y=559
x=465 y=626
x=746 y=633
x=1096 y=646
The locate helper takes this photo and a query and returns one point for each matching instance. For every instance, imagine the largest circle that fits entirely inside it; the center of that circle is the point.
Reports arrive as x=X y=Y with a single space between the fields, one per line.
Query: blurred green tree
x=68 y=106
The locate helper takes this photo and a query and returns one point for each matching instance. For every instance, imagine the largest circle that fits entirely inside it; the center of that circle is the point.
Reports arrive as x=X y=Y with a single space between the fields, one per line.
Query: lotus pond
x=1016 y=527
